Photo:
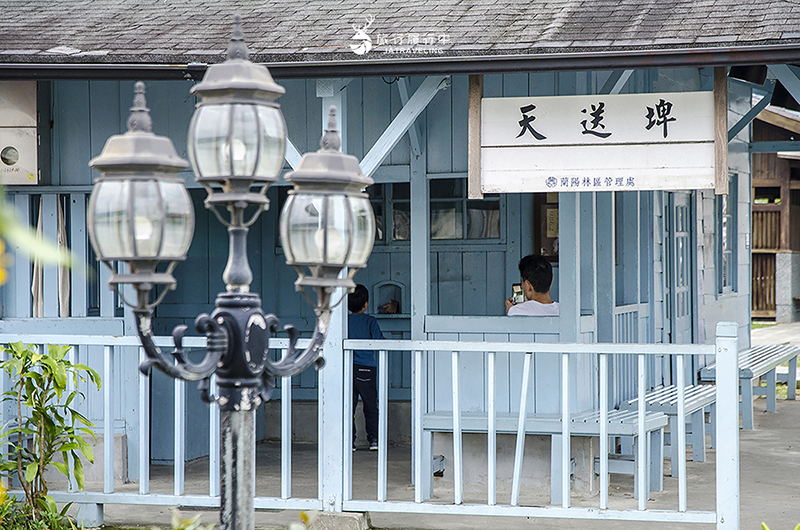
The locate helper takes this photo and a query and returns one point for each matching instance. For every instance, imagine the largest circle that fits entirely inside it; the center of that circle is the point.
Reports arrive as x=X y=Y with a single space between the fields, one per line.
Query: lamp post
x=140 y=213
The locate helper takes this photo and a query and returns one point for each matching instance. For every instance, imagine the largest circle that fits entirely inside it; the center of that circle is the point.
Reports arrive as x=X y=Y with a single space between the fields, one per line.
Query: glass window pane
x=401 y=191
x=401 y=221
x=446 y=220
x=377 y=207
x=375 y=191
x=447 y=189
x=483 y=219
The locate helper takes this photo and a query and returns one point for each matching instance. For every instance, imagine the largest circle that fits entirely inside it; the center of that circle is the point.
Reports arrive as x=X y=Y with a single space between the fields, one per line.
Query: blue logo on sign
x=551 y=182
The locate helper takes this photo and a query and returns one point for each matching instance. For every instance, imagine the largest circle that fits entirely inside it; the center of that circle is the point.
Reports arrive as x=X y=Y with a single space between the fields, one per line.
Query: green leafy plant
x=15 y=515
x=47 y=425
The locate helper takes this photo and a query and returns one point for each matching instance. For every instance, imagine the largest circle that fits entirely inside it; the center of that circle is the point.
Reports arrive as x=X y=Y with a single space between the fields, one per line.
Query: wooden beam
x=402 y=122
x=773 y=118
x=720 y=130
x=474 y=135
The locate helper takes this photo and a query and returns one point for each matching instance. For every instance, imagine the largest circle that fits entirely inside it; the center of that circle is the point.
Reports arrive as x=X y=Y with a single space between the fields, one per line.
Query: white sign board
x=659 y=141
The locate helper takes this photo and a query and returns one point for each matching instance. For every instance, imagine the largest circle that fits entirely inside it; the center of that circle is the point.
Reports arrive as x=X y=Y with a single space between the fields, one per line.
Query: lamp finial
x=139 y=120
x=331 y=140
x=237 y=48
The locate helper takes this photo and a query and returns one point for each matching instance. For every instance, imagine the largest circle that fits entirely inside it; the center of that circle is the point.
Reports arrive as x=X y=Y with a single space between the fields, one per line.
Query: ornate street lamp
x=140 y=214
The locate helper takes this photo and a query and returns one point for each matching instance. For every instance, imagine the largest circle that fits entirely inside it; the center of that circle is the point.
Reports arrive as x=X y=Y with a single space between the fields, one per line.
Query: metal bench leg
x=427 y=471
x=791 y=381
x=657 y=460
x=698 y=436
x=747 y=403
x=555 y=469
x=673 y=445
x=636 y=465
x=771 y=376
x=712 y=417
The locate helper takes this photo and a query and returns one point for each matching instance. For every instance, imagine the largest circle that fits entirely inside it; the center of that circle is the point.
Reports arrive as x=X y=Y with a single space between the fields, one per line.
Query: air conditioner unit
x=19 y=163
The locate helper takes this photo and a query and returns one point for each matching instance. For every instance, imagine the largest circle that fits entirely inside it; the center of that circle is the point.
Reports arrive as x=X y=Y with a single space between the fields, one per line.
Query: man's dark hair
x=537 y=270
x=357 y=299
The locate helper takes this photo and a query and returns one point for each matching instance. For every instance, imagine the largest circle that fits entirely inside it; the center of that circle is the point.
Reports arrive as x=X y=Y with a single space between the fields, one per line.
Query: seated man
x=536 y=275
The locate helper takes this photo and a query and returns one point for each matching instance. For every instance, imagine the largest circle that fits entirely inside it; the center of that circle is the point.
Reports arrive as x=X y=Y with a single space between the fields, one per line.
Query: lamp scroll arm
x=216 y=347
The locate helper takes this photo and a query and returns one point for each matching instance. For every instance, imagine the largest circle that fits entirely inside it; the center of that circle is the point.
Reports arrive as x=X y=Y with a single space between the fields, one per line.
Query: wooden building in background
x=776 y=219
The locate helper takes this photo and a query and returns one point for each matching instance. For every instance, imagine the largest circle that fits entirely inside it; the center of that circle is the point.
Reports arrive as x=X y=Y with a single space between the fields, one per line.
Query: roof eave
x=340 y=65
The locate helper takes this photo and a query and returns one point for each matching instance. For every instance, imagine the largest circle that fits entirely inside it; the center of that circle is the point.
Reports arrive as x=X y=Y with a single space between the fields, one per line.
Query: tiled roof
x=169 y=32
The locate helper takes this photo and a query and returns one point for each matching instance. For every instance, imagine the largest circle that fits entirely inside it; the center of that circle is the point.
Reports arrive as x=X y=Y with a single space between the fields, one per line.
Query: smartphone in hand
x=516 y=293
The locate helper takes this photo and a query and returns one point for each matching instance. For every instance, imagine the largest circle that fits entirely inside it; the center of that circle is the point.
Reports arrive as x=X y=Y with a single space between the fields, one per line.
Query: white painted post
x=566 y=453
x=144 y=429
x=213 y=442
x=492 y=434
x=108 y=419
x=641 y=442
x=416 y=407
x=332 y=377
x=678 y=440
x=332 y=411
x=349 y=421
x=458 y=468
x=603 y=431
x=286 y=436
x=179 y=434
x=383 y=422
x=727 y=426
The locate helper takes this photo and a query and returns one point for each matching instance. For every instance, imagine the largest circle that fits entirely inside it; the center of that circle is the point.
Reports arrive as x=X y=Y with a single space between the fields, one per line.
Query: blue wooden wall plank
x=460 y=103
x=293 y=107
x=106 y=107
x=451 y=272
x=377 y=113
x=313 y=121
x=492 y=85
x=74 y=131
x=400 y=154
x=355 y=119
x=498 y=286
x=439 y=134
x=474 y=283
x=542 y=83
x=44 y=107
x=515 y=85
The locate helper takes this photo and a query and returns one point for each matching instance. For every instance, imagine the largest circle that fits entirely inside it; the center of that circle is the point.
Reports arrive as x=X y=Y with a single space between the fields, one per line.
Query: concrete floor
x=770 y=486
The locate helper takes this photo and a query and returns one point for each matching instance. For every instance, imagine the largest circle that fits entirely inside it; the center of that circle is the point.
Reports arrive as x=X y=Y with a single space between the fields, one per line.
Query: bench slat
x=620 y=423
x=756 y=361
x=665 y=399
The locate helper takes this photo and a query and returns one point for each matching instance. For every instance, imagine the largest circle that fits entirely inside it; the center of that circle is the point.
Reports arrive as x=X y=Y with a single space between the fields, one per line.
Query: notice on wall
x=662 y=141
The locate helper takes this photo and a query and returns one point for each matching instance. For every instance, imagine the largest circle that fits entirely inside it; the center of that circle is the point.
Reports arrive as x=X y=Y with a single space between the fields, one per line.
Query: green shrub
x=46 y=425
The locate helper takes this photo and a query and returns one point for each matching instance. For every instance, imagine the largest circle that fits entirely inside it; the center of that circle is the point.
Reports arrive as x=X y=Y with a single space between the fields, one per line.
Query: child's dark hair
x=537 y=270
x=357 y=299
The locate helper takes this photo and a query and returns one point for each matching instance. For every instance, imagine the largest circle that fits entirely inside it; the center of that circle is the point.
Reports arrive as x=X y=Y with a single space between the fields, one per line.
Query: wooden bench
x=620 y=423
x=696 y=398
x=757 y=362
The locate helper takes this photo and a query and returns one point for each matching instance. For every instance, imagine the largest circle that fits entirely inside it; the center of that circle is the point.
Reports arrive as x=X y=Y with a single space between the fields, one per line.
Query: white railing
x=726 y=514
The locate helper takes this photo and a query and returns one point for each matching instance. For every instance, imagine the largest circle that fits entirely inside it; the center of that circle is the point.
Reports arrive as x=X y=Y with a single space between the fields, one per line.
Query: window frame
x=727 y=232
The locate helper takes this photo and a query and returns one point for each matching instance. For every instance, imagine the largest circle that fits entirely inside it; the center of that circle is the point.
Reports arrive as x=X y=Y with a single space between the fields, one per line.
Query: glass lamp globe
x=140 y=211
x=327 y=222
x=237 y=137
